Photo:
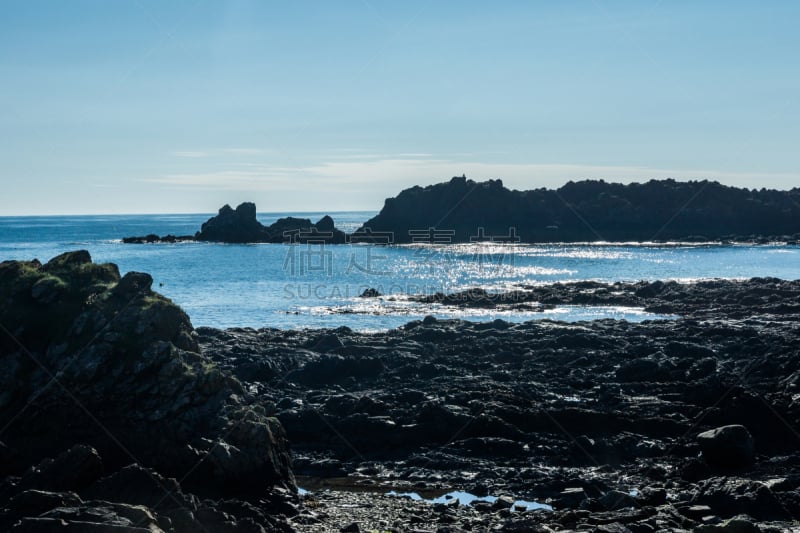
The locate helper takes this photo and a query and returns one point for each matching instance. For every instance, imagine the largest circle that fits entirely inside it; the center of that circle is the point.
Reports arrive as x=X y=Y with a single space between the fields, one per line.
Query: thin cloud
x=391 y=174
x=218 y=152
x=243 y=151
x=189 y=153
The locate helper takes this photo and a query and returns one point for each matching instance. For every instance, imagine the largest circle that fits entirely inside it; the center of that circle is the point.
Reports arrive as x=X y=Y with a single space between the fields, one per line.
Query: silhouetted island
x=241 y=226
x=463 y=210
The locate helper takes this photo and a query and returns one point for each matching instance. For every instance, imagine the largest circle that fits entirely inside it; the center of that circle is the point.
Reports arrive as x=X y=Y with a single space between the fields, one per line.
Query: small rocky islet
x=240 y=226
x=118 y=415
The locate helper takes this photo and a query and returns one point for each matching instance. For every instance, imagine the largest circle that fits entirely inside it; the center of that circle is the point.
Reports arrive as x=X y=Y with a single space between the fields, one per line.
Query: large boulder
x=727 y=446
x=100 y=359
x=730 y=496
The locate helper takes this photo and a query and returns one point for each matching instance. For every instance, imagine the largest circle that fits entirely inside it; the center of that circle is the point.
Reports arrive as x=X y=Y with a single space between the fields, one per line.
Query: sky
x=140 y=106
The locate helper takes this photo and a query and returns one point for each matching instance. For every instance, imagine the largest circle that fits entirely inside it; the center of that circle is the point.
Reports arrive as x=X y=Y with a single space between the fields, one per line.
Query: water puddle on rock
x=308 y=485
x=465 y=498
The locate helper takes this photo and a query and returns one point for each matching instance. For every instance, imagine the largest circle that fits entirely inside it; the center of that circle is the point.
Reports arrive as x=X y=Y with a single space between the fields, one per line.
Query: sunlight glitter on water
x=278 y=285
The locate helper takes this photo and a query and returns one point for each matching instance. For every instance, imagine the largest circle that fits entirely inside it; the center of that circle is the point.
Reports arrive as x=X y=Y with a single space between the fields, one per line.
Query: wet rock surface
x=605 y=421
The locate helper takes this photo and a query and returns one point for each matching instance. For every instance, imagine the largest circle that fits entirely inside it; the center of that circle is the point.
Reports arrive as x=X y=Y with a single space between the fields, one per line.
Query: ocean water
x=307 y=285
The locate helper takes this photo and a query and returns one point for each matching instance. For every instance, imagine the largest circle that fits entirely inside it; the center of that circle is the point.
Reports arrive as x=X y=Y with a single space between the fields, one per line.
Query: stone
x=503 y=502
x=728 y=497
x=732 y=525
x=639 y=370
x=71 y=470
x=614 y=500
x=727 y=446
x=370 y=293
x=137 y=485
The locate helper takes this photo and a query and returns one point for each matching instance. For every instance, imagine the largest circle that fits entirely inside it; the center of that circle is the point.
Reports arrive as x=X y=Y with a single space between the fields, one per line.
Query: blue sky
x=138 y=106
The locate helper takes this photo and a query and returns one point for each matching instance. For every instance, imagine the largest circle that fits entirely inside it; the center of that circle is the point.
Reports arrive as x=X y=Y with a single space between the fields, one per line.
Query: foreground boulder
x=96 y=358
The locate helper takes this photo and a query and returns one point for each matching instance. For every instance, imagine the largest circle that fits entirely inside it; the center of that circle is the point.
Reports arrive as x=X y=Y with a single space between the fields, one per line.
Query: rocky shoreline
x=118 y=415
x=601 y=420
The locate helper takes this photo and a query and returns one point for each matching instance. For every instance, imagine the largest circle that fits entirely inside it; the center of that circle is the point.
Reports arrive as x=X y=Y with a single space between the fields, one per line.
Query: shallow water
x=466 y=498
x=290 y=286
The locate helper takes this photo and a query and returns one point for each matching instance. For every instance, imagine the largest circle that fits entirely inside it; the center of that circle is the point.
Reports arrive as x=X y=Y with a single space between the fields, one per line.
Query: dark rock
x=491 y=447
x=72 y=470
x=503 y=502
x=729 y=497
x=570 y=497
x=134 y=283
x=336 y=368
x=235 y=226
x=137 y=485
x=728 y=446
x=10 y=461
x=326 y=343
x=153 y=238
x=732 y=525
x=370 y=293
x=696 y=512
x=325 y=224
x=614 y=500
x=639 y=370
x=33 y=502
x=129 y=371
x=241 y=226
x=69 y=260
x=101 y=517
x=586 y=211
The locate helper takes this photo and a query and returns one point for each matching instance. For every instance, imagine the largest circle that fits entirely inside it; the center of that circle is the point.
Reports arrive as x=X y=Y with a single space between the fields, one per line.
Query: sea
x=292 y=286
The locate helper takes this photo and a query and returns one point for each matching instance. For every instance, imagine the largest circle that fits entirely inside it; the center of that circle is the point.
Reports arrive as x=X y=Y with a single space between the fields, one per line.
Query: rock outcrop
x=463 y=210
x=234 y=225
x=98 y=364
x=240 y=226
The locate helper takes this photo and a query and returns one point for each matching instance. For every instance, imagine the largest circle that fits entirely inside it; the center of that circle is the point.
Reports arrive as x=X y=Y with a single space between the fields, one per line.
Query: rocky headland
x=240 y=225
x=117 y=415
x=463 y=210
